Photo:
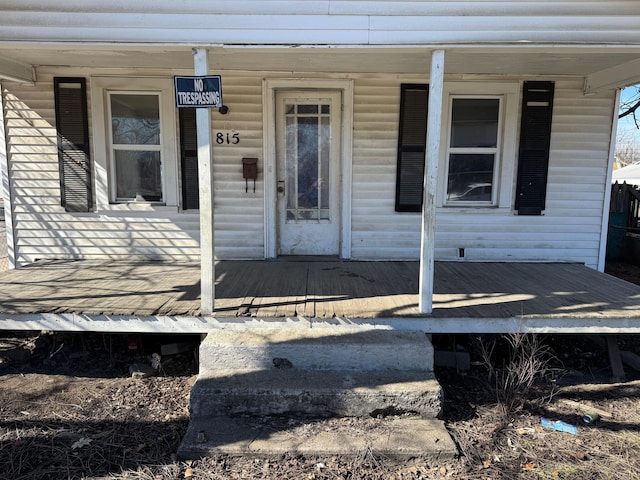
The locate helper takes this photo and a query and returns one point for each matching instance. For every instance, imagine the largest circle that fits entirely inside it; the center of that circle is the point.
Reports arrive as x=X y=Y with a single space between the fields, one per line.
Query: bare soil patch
x=69 y=409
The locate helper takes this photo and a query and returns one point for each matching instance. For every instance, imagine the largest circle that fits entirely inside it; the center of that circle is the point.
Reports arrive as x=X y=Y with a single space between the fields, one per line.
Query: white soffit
x=618 y=76
x=16 y=59
x=15 y=71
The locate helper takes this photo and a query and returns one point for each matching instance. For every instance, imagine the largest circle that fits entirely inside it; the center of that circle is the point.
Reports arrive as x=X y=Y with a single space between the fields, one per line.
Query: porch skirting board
x=189 y=324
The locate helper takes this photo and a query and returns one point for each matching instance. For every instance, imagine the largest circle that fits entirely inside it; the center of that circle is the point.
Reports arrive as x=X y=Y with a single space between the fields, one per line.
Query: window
x=478 y=154
x=136 y=155
x=136 y=161
x=473 y=150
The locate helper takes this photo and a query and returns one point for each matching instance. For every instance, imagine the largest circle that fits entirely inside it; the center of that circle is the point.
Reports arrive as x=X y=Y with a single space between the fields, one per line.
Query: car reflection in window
x=476 y=192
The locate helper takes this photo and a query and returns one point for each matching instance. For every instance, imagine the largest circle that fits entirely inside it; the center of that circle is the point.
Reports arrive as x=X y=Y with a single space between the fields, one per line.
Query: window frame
x=495 y=151
x=101 y=90
x=503 y=186
x=113 y=147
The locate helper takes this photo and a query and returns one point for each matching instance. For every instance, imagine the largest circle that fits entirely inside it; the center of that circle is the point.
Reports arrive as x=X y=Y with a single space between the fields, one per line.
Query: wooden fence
x=624 y=221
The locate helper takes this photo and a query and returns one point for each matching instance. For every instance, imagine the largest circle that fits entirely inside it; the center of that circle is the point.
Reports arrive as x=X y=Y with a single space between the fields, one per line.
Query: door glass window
x=308 y=141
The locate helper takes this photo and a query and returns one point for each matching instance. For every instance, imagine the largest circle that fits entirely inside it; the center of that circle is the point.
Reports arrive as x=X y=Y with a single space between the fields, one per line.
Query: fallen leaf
x=580 y=455
x=555 y=474
x=529 y=466
x=188 y=472
x=443 y=471
x=83 y=442
x=524 y=431
x=486 y=463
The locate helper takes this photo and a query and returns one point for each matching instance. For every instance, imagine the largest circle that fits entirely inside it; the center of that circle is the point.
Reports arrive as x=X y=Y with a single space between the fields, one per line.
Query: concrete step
x=318 y=393
x=315 y=391
x=326 y=348
x=266 y=437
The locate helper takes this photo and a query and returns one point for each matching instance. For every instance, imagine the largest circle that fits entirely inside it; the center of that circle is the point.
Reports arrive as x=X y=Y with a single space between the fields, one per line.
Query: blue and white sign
x=198 y=92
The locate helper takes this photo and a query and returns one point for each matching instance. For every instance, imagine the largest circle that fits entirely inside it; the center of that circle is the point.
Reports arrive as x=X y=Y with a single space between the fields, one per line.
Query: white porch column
x=5 y=187
x=434 y=125
x=205 y=180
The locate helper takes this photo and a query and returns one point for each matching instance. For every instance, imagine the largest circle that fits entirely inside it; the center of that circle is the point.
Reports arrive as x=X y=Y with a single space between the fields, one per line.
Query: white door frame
x=269 y=88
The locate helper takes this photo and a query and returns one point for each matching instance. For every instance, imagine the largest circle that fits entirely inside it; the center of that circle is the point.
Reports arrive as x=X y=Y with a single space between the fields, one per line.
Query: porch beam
x=16 y=72
x=205 y=180
x=619 y=76
x=434 y=126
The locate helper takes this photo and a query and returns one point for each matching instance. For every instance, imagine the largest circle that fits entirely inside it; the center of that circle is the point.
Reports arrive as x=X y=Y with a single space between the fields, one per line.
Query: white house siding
x=378 y=230
x=569 y=230
x=44 y=230
x=320 y=22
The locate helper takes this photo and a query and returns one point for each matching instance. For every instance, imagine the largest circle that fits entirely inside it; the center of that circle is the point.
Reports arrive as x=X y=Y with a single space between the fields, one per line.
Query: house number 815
x=229 y=139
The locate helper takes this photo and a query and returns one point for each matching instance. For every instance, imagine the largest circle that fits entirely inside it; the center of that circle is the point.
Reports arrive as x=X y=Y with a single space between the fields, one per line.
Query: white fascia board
x=15 y=71
x=615 y=77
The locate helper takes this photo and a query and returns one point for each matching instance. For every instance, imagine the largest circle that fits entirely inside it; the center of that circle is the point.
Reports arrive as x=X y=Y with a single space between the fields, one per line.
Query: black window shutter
x=412 y=140
x=72 y=129
x=189 y=158
x=535 y=138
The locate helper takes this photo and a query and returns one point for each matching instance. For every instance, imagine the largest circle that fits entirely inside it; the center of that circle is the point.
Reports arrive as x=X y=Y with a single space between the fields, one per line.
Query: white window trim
x=506 y=158
x=100 y=88
x=132 y=147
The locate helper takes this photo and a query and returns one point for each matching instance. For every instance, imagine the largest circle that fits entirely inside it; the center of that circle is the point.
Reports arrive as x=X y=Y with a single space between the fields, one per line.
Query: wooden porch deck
x=542 y=294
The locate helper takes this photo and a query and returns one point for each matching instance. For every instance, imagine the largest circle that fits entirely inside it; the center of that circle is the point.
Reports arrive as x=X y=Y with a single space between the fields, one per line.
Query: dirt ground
x=70 y=409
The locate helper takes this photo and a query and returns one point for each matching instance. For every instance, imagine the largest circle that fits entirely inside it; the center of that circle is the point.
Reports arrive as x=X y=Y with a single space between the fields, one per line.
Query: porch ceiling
x=494 y=60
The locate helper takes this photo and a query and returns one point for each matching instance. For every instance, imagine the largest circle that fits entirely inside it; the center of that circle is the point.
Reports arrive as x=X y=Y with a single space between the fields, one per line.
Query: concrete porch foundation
x=258 y=390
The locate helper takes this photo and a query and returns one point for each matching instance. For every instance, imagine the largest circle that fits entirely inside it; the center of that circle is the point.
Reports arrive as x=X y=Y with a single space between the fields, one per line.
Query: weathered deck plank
x=319 y=290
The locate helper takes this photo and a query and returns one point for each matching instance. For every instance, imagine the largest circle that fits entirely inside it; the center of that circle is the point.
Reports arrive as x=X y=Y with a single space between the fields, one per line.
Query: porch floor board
x=318 y=289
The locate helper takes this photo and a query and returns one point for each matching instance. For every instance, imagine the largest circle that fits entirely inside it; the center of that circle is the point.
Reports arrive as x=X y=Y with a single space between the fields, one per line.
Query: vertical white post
x=606 y=204
x=205 y=180
x=5 y=186
x=434 y=125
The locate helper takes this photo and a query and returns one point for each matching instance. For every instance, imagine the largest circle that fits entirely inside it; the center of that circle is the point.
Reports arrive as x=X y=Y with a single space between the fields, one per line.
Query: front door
x=308 y=172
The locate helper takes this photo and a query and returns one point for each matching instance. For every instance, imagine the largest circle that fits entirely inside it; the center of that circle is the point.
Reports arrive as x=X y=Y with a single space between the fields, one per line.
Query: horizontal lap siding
x=569 y=230
x=44 y=230
x=239 y=215
x=378 y=231
x=320 y=22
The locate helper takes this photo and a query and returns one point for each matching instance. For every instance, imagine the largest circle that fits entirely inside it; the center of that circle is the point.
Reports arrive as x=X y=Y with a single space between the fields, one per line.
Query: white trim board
x=190 y=324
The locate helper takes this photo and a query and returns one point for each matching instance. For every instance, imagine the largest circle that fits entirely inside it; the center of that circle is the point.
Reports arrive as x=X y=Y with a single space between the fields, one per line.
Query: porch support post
x=434 y=125
x=5 y=186
x=205 y=180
